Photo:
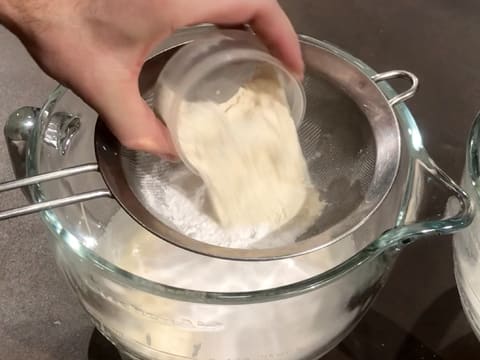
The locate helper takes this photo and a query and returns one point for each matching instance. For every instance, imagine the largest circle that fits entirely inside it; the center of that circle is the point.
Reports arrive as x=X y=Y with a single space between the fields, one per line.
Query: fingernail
x=299 y=75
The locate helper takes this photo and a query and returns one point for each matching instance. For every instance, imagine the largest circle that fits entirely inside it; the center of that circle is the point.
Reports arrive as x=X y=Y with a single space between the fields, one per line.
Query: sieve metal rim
x=108 y=156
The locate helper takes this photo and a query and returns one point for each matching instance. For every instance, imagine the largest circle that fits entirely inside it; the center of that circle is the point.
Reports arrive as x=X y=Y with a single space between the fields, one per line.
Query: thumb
x=131 y=120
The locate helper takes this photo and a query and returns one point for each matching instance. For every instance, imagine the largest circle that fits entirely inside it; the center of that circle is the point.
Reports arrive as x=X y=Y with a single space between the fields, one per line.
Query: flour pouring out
x=247 y=152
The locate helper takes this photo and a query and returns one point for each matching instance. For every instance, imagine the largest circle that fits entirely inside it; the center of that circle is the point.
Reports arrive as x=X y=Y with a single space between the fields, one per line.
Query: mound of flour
x=182 y=202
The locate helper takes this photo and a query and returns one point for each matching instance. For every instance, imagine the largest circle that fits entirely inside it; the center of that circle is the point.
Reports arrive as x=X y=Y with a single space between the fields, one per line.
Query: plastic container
x=213 y=68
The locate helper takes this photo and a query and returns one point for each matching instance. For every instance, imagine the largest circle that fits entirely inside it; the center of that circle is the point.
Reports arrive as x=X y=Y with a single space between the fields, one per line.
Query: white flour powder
x=182 y=202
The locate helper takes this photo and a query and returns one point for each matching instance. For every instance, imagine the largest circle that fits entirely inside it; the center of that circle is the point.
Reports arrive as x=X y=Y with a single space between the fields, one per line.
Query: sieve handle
x=399 y=74
x=55 y=175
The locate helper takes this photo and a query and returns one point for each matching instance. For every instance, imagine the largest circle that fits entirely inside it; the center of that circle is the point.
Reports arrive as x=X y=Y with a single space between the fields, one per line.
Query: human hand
x=97 y=49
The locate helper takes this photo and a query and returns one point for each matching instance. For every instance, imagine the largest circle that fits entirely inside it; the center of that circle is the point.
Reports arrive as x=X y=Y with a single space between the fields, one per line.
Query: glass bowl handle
x=17 y=131
x=427 y=184
x=452 y=210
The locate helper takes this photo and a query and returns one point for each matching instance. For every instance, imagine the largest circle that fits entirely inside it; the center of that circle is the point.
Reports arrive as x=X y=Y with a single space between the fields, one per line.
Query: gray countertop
x=419 y=308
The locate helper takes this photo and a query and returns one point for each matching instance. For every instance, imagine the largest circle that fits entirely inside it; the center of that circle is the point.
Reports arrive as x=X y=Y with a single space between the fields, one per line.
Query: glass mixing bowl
x=154 y=300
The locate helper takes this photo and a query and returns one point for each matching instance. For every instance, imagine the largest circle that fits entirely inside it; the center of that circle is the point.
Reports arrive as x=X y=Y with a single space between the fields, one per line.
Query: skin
x=97 y=49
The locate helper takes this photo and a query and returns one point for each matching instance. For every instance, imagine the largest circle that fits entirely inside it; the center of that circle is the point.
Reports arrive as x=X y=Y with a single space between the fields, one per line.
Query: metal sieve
x=350 y=138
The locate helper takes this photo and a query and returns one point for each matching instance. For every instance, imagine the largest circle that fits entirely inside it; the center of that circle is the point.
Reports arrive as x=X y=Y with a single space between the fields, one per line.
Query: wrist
x=6 y=12
x=26 y=18
x=10 y=15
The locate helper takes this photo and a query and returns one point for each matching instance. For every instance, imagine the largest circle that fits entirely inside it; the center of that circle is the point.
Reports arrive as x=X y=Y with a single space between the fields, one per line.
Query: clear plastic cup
x=213 y=68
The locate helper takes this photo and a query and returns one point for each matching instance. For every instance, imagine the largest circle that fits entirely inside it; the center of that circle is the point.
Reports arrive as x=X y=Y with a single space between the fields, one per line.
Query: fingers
x=137 y=127
x=266 y=17
x=130 y=119
x=273 y=26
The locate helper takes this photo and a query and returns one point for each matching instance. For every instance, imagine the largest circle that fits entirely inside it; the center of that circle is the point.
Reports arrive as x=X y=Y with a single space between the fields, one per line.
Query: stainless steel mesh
x=337 y=140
